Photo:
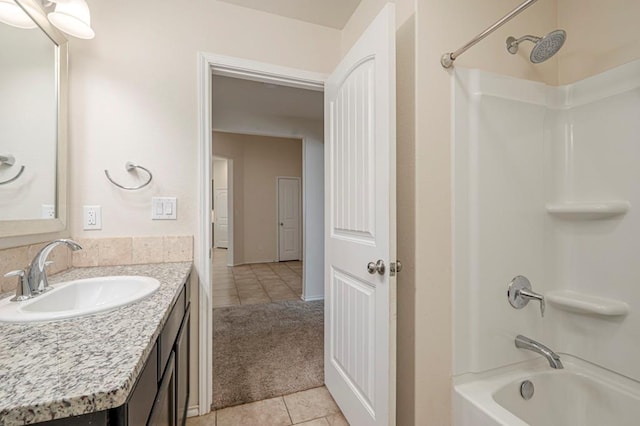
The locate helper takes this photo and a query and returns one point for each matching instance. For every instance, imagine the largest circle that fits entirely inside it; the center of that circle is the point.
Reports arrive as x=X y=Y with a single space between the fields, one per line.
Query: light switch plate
x=163 y=208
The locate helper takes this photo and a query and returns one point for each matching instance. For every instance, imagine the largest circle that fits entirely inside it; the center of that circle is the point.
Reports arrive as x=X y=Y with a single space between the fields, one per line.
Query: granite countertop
x=76 y=366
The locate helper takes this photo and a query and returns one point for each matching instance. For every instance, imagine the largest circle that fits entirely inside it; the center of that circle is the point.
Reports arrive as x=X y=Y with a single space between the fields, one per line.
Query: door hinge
x=210 y=253
x=395 y=267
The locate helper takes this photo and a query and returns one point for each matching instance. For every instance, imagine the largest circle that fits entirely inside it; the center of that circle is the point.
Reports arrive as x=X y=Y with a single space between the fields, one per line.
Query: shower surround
x=546 y=185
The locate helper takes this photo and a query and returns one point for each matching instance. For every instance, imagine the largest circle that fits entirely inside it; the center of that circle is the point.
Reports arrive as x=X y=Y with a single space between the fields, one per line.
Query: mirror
x=33 y=145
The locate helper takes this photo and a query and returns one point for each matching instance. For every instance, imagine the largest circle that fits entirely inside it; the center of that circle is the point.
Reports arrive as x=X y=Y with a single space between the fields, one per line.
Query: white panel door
x=288 y=219
x=221 y=225
x=360 y=229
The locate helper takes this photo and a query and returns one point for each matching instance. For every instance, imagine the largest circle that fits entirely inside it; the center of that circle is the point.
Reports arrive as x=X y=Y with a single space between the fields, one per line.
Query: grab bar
x=129 y=166
x=10 y=160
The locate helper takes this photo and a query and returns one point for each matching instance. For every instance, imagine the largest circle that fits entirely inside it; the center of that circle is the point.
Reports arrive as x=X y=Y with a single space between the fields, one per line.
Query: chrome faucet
x=34 y=280
x=523 y=342
x=37 y=275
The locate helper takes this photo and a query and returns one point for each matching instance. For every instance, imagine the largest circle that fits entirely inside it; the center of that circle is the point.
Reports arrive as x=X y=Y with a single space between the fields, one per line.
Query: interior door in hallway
x=288 y=218
x=360 y=229
x=221 y=209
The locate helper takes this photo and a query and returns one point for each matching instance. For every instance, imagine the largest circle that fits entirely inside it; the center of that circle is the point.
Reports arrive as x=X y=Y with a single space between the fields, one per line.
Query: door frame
x=210 y=64
x=300 y=228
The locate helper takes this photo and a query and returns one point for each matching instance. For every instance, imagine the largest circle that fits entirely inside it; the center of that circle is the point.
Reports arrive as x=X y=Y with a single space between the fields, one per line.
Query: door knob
x=378 y=267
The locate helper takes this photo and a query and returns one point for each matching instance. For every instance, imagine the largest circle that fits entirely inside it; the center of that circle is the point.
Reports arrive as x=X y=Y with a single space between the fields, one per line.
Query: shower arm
x=447 y=59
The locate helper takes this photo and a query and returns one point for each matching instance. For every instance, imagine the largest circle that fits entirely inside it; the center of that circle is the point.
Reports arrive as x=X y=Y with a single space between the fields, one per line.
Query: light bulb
x=12 y=14
x=72 y=17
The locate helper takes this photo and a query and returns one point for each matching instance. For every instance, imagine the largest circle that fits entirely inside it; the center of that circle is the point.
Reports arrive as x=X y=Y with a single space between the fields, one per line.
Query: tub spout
x=523 y=342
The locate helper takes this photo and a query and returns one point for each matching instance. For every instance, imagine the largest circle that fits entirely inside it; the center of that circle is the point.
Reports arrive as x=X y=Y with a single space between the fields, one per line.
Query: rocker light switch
x=163 y=208
x=158 y=208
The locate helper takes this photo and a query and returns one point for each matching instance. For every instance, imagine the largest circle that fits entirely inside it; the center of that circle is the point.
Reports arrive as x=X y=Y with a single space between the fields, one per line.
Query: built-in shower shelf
x=588 y=211
x=586 y=304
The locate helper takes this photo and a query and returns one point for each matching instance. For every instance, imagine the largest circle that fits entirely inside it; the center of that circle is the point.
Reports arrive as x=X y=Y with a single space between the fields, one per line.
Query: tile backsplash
x=133 y=251
x=99 y=252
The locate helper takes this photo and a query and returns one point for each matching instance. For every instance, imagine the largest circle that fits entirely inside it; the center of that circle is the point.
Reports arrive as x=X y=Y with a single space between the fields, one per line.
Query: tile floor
x=313 y=407
x=255 y=283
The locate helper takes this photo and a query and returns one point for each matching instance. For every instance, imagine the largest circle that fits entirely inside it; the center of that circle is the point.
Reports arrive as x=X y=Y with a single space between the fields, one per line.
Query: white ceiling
x=252 y=98
x=330 y=13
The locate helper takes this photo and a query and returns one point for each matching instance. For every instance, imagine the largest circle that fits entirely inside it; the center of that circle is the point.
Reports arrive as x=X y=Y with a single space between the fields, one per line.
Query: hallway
x=267 y=341
x=255 y=283
x=313 y=407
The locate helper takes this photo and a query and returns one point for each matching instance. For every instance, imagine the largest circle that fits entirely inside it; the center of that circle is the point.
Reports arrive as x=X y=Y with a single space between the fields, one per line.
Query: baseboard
x=261 y=261
x=193 y=411
x=313 y=298
x=256 y=261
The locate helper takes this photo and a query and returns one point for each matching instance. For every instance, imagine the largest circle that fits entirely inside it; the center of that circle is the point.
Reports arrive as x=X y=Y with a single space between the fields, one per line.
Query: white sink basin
x=79 y=297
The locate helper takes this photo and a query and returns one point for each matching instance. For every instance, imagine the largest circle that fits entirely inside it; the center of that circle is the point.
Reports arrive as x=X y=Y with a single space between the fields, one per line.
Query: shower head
x=545 y=47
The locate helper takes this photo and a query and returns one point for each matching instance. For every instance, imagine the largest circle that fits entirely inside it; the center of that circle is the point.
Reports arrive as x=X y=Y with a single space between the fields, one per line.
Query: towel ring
x=130 y=167
x=10 y=160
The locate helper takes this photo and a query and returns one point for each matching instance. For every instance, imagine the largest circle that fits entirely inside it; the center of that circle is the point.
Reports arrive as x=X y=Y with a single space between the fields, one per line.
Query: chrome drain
x=526 y=389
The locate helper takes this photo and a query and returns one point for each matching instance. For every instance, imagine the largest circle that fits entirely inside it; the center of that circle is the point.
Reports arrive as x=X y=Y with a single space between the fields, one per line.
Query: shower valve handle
x=520 y=293
x=532 y=295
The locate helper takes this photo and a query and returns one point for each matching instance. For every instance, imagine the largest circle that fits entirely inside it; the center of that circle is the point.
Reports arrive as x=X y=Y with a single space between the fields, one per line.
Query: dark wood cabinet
x=167 y=338
x=160 y=394
x=182 y=352
x=140 y=402
x=164 y=408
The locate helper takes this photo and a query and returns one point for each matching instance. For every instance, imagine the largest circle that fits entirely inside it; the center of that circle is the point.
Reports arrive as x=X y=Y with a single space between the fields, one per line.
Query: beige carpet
x=266 y=350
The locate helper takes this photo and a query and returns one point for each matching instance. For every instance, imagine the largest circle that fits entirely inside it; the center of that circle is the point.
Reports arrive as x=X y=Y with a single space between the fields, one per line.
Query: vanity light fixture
x=72 y=17
x=12 y=14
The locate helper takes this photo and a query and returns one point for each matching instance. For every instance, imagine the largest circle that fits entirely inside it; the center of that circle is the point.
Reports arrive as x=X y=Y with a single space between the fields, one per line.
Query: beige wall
x=600 y=35
x=406 y=216
x=257 y=161
x=424 y=212
x=220 y=170
x=133 y=97
x=443 y=26
x=364 y=14
x=359 y=20
x=312 y=134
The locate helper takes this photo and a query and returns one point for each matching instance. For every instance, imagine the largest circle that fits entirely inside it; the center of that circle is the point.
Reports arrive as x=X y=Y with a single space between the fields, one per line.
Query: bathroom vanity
x=128 y=366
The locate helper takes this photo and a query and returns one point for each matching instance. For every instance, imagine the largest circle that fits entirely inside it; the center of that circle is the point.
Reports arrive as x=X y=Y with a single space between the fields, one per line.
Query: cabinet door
x=138 y=407
x=164 y=408
x=167 y=338
x=182 y=369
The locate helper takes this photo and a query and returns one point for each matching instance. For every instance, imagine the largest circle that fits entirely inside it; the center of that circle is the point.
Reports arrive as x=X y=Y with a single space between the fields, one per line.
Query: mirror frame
x=13 y=232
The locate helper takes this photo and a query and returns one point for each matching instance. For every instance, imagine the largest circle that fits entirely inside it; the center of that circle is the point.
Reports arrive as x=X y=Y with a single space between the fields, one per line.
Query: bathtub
x=581 y=394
